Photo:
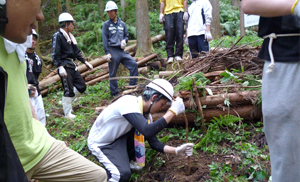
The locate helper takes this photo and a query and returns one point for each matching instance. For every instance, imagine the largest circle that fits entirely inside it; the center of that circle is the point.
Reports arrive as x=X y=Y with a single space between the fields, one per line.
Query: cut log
x=147 y=59
x=46 y=91
x=164 y=74
x=155 y=64
x=241 y=98
x=92 y=82
x=91 y=77
x=246 y=112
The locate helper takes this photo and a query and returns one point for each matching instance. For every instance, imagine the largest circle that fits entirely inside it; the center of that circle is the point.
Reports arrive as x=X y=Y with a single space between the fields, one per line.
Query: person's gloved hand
x=62 y=72
x=108 y=57
x=296 y=10
x=186 y=41
x=89 y=65
x=123 y=44
x=161 y=18
x=185 y=16
x=208 y=36
x=185 y=149
x=177 y=106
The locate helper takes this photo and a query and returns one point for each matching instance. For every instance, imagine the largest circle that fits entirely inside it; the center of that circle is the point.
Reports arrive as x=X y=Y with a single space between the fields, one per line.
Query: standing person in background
x=173 y=13
x=65 y=51
x=34 y=69
x=43 y=157
x=115 y=37
x=115 y=137
x=198 y=29
x=279 y=25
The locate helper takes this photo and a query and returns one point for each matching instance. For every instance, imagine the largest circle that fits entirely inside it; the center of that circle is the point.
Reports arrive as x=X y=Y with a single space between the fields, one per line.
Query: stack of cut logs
x=100 y=70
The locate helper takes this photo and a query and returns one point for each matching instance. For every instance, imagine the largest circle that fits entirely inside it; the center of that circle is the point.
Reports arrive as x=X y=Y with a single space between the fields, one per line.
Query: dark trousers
x=73 y=79
x=174 y=29
x=117 y=155
x=197 y=44
x=119 y=56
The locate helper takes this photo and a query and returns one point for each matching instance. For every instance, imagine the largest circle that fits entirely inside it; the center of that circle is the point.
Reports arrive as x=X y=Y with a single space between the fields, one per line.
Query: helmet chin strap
x=152 y=101
x=3 y=18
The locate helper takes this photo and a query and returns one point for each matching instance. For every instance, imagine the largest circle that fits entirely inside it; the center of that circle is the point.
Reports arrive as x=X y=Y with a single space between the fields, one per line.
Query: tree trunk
x=124 y=4
x=68 y=6
x=235 y=3
x=59 y=8
x=144 y=44
x=215 y=24
x=101 y=7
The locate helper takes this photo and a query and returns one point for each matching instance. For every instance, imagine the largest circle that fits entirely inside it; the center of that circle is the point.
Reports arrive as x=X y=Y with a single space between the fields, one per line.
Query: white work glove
x=186 y=41
x=185 y=16
x=62 y=72
x=123 y=44
x=296 y=11
x=89 y=65
x=208 y=36
x=185 y=149
x=177 y=106
x=161 y=18
x=108 y=57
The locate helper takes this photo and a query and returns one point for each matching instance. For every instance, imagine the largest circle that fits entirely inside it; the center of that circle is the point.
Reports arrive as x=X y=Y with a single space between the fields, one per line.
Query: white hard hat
x=110 y=5
x=34 y=33
x=162 y=86
x=65 y=17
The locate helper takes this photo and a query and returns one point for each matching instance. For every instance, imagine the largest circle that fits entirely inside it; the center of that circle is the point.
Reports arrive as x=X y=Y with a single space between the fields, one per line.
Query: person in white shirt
x=198 y=30
x=112 y=139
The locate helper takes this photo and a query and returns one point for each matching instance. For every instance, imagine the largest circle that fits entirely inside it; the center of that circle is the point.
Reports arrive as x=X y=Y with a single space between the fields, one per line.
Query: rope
x=273 y=36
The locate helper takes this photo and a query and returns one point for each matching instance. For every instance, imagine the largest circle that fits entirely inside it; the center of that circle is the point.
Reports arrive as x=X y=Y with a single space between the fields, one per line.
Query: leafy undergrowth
x=231 y=150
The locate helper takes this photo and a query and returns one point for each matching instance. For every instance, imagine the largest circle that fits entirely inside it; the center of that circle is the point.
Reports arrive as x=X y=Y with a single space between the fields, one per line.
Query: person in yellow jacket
x=42 y=157
x=173 y=14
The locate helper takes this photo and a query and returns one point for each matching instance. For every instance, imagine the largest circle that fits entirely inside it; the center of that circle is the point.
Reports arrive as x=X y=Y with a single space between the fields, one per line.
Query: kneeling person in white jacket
x=115 y=136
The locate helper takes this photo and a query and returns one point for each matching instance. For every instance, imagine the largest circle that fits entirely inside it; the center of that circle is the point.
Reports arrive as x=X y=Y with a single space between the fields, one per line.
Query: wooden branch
x=198 y=102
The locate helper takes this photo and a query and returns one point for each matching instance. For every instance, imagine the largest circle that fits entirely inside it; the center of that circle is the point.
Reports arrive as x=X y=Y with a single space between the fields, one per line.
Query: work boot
x=67 y=107
x=76 y=92
x=178 y=58
x=170 y=60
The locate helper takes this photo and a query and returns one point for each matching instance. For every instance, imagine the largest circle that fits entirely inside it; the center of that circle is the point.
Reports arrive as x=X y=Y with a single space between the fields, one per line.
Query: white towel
x=70 y=38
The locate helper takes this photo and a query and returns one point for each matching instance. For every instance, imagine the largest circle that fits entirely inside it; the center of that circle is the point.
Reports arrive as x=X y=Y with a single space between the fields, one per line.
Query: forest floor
x=233 y=152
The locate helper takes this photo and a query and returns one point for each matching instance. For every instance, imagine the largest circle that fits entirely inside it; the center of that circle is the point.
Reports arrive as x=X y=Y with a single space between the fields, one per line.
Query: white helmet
x=65 y=17
x=162 y=86
x=110 y=5
x=34 y=33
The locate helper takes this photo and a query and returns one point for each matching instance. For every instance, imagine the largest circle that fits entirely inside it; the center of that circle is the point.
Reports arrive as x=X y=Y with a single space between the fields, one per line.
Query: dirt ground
x=175 y=169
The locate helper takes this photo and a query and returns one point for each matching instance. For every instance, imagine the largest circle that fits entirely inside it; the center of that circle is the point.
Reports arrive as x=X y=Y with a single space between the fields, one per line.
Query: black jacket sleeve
x=78 y=54
x=156 y=144
x=126 y=34
x=105 y=38
x=56 y=50
x=138 y=121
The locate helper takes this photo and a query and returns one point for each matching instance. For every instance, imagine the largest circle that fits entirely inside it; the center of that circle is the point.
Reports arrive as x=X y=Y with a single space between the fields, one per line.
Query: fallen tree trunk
x=241 y=98
x=92 y=82
x=246 y=112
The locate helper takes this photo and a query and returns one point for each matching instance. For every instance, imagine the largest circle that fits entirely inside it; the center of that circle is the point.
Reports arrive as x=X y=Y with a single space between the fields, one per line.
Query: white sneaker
x=178 y=58
x=170 y=60
x=134 y=166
